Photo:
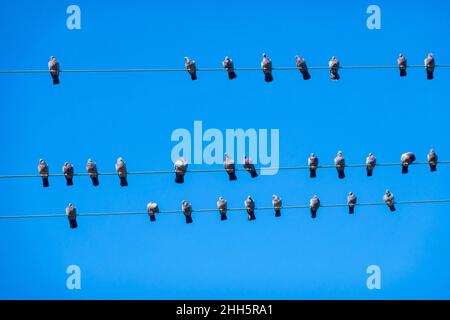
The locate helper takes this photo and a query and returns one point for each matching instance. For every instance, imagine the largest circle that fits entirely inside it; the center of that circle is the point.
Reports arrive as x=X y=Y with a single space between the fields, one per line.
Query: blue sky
x=103 y=116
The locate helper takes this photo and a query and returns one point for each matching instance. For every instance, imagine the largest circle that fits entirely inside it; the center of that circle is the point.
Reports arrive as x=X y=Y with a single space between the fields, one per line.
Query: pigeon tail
x=253 y=173
x=369 y=171
x=313 y=213
x=404 y=169
x=152 y=218
x=306 y=75
x=430 y=75
x=45 y=182
x=341 y=174
x=392 y=208
x=312 y=173
x=69 y=181
x=73 y=224
x=95 y=181
x=193 y=76
x=351 y=209
x=231 y=75
x=277 y=213
x=433 y=167
x=189 y=219
x=123 y=182
x=335 y=75
x=251 y=215
x=268 y=77
x=223 y=216
x=232 y=176
x=402 y=72
x=179 y=178
x=55 y=78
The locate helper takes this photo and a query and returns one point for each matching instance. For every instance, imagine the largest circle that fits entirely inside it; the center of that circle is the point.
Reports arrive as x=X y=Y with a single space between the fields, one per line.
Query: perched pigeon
x=277 y=204
x=91 y=168
x=68 y=173
x=71 y=213
x=121 y=169
x=191 y=67
x=250 y=167
x=180 y=170
x=53 y=67
x=229 y=67
x=429 y=65
x=301 y=65
x=187 y=210
x=407 y=158
x=314 y=205
x=351 y=201
x=389 y=200
x=152 y=208
x=229 y=167
x=266 y=66
x=250 y=207
x=371 y=162
x=402 y=64
x=43 y=171
x=432 y=158
x=313 y=162
x=222 y=207
x=339 y=162
x=334 y=66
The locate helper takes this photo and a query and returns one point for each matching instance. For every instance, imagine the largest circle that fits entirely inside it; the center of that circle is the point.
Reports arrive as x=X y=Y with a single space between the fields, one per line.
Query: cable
x=143 y=70
x=216 y=170
x=216 y=210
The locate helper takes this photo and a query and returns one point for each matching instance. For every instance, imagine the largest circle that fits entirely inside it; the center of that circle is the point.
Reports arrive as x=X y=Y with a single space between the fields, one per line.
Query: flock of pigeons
x=266 y=67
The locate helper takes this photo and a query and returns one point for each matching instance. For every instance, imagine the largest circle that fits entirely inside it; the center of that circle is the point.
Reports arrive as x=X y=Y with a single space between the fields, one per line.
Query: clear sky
x=103 y=116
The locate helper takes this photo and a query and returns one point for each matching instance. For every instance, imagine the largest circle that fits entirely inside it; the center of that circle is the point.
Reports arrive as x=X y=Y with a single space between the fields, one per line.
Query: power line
x=216 y=170
x=96 y=214
x=148 y=70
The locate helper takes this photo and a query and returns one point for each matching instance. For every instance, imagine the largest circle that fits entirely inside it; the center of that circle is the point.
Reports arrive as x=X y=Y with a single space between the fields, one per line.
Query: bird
x=250 y=167
x=191 y=67
x=301 y=65
x=339 y=162
x=222 y=207
x=250 y=207
x=266 y=66
x=43 y=171
x=371 y=162
x=351 y=201
x=180 y=166
x=187 y=210
x=71 y=213
x=334 y=66
x=53 y=67
x=152 y=208
x=313 y=162
x=389 y=200
x=121 y=169
x=229 y=166
x=68 y=172
x=407 y=158
x=91 y=168
x=229 y=67
x=314 y=205
x=277 y=204
x=402 y=64
x=432 y=158
x=429 y=65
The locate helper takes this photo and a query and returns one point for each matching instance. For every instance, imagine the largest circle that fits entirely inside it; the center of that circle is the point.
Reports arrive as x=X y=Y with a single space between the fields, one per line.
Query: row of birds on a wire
x=181 y=167
x=249 y=205
x=266 y=67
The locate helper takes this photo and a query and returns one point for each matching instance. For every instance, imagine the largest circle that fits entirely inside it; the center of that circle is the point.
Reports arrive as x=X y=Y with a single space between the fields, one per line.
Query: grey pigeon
x=187 y=210
x=71 y=213
x=180 y=166
x=429 y=65
x=266 y=66
x=191 y=67
x=152 y=208
x=407 y=158
x=68 y=172
x=339 y=162
x=334 y=66
x=250 y=167
x=229 y=67
x=351 y=201
x=371 y=162
x=229 y=167
x=389 y=200
x=91 y=168
x=53 y=67
x=222 y=207
x=277 y=204
x=402 y=64
x=313 y=163
x=250 y=207
x=314 y=205
x=43 y=171
x=121 y=169
x=432 y=158
x=301 y=65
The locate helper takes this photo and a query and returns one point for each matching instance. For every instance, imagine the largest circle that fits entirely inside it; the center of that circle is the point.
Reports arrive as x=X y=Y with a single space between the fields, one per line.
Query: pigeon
x=71 y=213
x=229 y=67
x=229 y=167
x=371 y=162
x=389 y=200
x=152 y=208
x=180 y=170
x=429 y=65
x=53 y=67
x=121 y=169
x=432 y=158
x=187 y=210
x=222 y=207
x=277 y=204
x=266 y=66
x=43 y=171
x=351 y=201
x=407 y=158
x=339 y=162
x=250 y=207
x=91 y=168
x=191 y=67
x=402 y=64
x=68 y=173
x=333 y=64
x=301 y=65
x=313 y=162
x=250 y=167
x=314 y=205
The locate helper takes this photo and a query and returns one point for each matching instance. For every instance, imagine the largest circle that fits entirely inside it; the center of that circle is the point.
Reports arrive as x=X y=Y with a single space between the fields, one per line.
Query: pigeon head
x=89 y=160
x=264 y=55
x=350 y=193
x=387 y=191
x=119 y=159
x=220 y=198
x=312 y=155
x=339 y=153
x=70 y=205
x=370 y=154
x=400 y=55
